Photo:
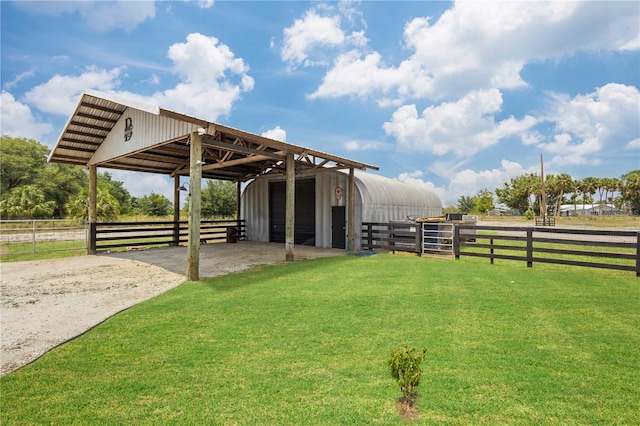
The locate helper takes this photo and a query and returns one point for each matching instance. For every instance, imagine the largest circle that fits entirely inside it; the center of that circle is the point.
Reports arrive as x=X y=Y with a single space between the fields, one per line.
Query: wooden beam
x=239 y=161
x=242 y=149
x=290 y=208
x=195 y=182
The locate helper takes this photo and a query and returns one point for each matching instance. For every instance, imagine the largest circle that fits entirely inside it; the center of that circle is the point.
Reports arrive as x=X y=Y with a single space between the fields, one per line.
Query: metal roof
x=380 y=191
x=228 y=153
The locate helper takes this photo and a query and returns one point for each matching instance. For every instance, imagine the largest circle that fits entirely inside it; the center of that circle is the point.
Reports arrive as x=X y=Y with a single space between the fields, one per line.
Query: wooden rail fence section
x=618 y=250
x=111 y=235
x=594 y=248
x=420 y=238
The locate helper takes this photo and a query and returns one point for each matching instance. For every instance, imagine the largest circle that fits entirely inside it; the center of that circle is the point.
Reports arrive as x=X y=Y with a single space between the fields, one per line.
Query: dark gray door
x=338 y=225
x=305 y=216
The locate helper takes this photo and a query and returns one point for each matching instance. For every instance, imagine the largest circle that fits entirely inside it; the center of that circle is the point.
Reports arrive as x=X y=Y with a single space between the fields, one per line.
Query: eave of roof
x=229 y=154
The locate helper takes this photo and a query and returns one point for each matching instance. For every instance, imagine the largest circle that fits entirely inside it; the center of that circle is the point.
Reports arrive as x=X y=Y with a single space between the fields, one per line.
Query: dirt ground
x=44 y=303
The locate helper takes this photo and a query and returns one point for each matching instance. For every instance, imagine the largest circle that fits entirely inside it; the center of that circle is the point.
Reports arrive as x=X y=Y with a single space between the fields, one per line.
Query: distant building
x=589 y=210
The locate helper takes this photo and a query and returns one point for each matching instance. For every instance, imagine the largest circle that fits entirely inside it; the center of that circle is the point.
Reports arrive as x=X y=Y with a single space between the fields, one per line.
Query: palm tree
x=26 y=202
x=588 y=186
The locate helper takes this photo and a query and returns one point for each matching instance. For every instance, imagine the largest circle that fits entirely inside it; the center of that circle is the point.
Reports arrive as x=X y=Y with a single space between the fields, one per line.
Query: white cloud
x=205 y=4
x=22 y=76
x=154 y=79
x=99 y=15
x=313 y=39
x=141 y=184
x=17 y=120
x=365 y=145
x=463 y=127
x=276 y=133
x=60 y=94
x=481 y=45
x=415 y=178
x=468 y=182
x=634 y=144
x=308 y=33
x=587 y=125
x=212 y=79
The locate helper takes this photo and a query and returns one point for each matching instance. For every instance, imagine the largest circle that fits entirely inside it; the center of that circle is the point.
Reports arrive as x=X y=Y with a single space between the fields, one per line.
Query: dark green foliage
x=23 y=162
x=466 y=204
x=26 y=202
x=117 y=190
x=154 y=205
x=404 y=365
x=20 y=162
x=218 y=199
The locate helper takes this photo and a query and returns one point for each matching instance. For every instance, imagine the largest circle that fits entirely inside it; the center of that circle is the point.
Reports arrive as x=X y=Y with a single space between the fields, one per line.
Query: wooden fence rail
x=110 y=235
x=618 y=250
x=391 y=236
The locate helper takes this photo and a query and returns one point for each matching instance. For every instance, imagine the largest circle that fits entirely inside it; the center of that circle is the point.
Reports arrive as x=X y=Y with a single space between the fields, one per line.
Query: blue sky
x=452 y=96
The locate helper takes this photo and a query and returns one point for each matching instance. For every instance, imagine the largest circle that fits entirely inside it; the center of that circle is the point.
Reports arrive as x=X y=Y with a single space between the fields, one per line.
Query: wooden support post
x=351 y=209
x=176 y=211
x=419 y=234
x=290 y=208
x=239 y=208
x=195 y=182
x=93 y=212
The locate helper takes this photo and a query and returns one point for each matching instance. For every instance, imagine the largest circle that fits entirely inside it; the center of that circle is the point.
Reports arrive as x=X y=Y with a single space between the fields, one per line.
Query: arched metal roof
x=385 y=197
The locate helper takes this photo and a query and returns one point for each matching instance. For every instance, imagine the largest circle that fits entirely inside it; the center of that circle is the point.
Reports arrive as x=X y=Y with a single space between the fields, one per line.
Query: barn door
x=338 y=225
x=305 y=212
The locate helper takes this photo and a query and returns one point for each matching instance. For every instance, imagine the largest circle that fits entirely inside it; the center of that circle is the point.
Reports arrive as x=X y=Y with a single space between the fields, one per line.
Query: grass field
x=307 y=343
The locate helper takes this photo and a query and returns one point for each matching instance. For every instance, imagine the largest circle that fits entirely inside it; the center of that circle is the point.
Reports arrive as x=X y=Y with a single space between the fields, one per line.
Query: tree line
x=523 y=194
x=31 y=188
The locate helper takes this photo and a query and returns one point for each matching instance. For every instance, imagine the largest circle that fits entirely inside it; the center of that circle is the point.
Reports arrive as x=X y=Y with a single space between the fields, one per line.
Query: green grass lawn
x=307 y=343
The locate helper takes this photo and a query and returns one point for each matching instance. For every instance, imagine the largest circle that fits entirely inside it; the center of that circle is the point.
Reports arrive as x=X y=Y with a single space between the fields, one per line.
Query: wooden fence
x=618 y=250
x=111 y=235
x=420 y=238
x=393 y=236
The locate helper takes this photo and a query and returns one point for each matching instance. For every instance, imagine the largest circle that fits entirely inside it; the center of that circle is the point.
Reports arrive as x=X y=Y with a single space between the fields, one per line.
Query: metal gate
x=437 y=238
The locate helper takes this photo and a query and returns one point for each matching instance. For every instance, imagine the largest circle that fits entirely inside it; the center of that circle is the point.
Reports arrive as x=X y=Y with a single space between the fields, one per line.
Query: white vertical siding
x=255 y=210
x=148 y=130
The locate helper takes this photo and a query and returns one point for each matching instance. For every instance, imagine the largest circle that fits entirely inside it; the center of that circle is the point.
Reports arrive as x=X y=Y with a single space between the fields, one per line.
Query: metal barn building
x=321 y=206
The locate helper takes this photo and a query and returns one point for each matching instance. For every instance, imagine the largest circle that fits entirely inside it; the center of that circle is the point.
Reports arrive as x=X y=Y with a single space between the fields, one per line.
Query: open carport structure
x=116 y=133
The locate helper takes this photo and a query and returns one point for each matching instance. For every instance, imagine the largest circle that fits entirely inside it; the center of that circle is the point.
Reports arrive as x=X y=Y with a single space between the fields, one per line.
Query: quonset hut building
x=321 y=206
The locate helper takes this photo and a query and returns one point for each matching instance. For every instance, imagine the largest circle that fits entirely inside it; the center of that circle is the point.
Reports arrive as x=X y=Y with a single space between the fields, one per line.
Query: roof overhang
x=92 y=136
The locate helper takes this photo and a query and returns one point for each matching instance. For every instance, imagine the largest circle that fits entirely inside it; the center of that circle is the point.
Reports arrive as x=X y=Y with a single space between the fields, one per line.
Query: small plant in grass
x=404 y=365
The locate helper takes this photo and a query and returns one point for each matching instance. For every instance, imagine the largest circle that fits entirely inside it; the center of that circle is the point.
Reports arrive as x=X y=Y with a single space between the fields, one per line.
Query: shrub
x=404 y=365
x=529 y=214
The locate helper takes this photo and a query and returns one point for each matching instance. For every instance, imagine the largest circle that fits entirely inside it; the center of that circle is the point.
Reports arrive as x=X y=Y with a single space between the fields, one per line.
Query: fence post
x=92 y=238
x=638 y=255
x=491 y=249
x=529 y=247
x=33 y=237
x=370 y=236
x=419 y=233
x=456 y=240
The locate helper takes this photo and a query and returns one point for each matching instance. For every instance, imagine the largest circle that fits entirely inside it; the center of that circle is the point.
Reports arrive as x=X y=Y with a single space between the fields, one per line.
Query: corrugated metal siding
x=385 y=199
x=255 y=209
x=148 y=130
x=378 y=199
